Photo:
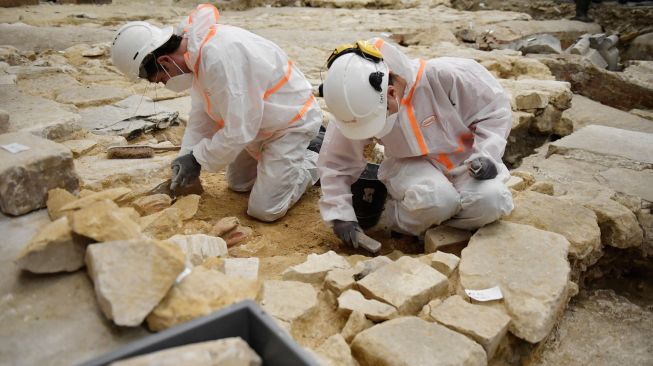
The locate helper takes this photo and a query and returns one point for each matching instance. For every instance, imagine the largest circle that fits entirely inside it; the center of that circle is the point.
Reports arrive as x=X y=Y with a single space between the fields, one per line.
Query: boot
x=582 y=7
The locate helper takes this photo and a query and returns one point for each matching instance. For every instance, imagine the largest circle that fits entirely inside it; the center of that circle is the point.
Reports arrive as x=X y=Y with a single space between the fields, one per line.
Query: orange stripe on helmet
x=301 y=113
x=408 y=102
x=281 y=82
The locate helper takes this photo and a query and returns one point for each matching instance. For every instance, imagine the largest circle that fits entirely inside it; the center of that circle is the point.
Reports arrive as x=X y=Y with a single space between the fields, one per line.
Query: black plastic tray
x=244 y=319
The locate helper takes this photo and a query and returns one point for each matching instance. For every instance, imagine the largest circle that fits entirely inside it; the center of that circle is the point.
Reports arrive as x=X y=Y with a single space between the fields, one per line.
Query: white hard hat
x=355 y=90
x=133 y=42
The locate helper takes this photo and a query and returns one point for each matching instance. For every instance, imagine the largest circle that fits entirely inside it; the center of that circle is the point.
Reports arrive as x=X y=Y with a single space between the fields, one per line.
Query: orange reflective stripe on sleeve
x=306 y=106
x=281 y=82
x=408 y=102
x=379 y=43
x=219 y=124
x=444 y=159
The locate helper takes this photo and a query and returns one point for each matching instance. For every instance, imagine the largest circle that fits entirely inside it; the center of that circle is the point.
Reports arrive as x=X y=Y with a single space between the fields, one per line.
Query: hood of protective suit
x=196 y=27
x=399 y=62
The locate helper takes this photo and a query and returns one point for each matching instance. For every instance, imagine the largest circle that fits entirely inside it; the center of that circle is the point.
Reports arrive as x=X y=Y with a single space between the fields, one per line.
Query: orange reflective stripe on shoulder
x=219 y=124
x=444 y=159
x=199 y=52
x=301 y=113
x=281 y=82
x=379 y=43
x=408 y=102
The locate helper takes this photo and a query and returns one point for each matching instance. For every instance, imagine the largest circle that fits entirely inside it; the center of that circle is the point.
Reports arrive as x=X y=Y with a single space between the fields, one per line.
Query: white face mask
x=180 y=82
x=390 y=121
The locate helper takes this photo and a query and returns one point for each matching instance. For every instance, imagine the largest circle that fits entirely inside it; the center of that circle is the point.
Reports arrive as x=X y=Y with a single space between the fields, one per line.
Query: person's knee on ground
x=481 y=204
x=241 y=173
x=422 y=207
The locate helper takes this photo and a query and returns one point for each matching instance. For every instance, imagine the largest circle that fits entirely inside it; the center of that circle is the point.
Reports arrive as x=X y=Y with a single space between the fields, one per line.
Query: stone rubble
x=187 y=206
x=316 y=267
x=407 y=284
x=53 y=249
x=483 y=324
x=237 y=235
x=340 y=280
x=446 y=239
x=445 y=263
x=103 y=221
x=356 y=323
x=200 y=293
x=352 y=300
x=336 y=352
x=152 y=204
x=225 y=225
x=199 y=247
x=57 y=198
x=131 y=277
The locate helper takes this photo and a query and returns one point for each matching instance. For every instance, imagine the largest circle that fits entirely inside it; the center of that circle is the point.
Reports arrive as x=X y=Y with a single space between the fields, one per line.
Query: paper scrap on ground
x=488 y=294
x=15 y=148
x=246 y=268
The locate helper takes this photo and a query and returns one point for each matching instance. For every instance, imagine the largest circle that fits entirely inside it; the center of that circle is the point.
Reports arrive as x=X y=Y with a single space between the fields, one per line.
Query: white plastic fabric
x=460 y=112
x=237 y=107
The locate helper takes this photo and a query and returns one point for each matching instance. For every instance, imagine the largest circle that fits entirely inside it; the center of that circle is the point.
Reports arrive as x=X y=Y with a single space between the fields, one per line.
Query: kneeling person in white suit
x=443 y=123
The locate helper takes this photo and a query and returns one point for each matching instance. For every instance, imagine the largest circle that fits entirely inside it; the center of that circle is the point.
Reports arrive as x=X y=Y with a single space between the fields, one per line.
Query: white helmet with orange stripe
x=133 y=42
x=355 y=90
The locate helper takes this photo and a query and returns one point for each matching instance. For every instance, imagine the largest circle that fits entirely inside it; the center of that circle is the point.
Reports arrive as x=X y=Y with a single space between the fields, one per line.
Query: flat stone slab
x=288 y=300
x=530 y=267
x=406 y=284
x=413 y=341
x=602 y=140
x=88 y=96
x=200 y=247
x=485 y=325
x=40 y=116
x=27 y=176
x=584 y=111
x=575 y=222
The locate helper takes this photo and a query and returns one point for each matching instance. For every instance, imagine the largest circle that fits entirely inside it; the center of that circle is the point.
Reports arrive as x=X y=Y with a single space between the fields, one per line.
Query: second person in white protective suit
x=443 y=123
x=252 y=110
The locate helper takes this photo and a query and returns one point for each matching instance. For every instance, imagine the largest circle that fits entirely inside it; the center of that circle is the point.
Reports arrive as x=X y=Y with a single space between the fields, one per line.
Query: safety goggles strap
x=361 y=48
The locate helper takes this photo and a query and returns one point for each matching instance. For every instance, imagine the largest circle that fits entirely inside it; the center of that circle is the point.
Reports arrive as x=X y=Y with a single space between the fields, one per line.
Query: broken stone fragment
x=187 y=206
x=336 y=352
x=225 y=225
x=58 y=198
x=339 y=280
x=530 y=267
x=288 y=300
x=200 y=293
x=576 y=223
x=27 y=176
x=132 y=276
x=352 y=300
x=363 y=268
x=407 y=284
x=529 y=99
x=246 y=268
x=356 y=323
x=152 y=204
x=485 y=325
x=200 y=247
x=221 y=352
x=543 y=187
x=80 y=147
x=316 y=267
x=413 y=341
x=90 y=198
x=445 y=239
x=444 y=263
x=162 y=224
x=425 y=313
x=619 y=225
x=237 y=235
x=104 y=221
x=53 y=249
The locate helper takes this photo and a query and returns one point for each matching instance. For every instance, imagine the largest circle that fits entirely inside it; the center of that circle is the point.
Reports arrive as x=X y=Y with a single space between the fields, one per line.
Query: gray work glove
x=346 y=231
x=185 y=169
x=482 y=168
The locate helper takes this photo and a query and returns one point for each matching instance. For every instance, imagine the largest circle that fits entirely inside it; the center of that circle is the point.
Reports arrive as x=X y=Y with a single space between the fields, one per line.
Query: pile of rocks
x=138 y=262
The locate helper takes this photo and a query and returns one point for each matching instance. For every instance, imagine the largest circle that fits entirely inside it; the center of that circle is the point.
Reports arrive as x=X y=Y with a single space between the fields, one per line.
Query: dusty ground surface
x=54 y=319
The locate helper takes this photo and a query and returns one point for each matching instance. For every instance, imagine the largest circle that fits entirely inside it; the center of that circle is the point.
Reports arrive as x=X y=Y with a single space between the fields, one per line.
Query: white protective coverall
x=452 y=111
x=253 y=110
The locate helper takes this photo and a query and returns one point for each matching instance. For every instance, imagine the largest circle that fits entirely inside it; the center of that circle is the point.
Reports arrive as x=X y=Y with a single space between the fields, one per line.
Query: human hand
x=185 y=169
x=346 y=231
x=482 y=168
